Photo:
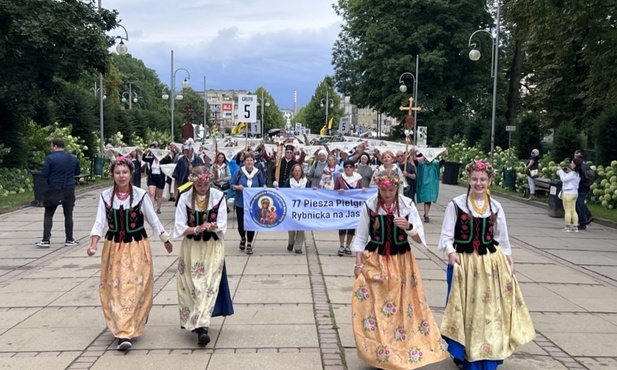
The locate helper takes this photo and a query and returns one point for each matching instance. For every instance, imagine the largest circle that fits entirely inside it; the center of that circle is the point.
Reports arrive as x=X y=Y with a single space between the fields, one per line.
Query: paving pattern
x=292 y=311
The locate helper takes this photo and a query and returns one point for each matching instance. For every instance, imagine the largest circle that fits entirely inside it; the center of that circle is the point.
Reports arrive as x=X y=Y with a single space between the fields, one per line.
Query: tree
x=42 y=43
x=604 y=134
x=380 y=39
x=272 y=114
x=528 y=135
x=567 y=140
x=314 y=113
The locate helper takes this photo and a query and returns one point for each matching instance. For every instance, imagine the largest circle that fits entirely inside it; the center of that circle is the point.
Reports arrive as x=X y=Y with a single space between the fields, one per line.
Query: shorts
x=156 y=180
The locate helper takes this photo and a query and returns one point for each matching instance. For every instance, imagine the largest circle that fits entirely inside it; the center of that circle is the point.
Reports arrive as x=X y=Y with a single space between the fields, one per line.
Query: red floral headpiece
x=386 y=179
x=124 y=161
x=480 y=165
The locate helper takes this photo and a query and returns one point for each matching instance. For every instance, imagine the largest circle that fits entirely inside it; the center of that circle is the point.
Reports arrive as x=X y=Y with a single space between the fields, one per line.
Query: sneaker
x=242 y=244
x=43 y=244
x=202 y=337
x=290 y=247
x=70 y=243
x=574 y=229
x=348 y=251
x=124 y=344
x=249 y=249
x=341 y=250
x=566 y=230
x=298 y=251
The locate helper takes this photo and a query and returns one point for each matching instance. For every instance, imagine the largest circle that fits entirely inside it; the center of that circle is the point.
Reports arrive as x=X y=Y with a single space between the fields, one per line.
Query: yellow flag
x=330 y=124
x=238 y=129
x=323 y=131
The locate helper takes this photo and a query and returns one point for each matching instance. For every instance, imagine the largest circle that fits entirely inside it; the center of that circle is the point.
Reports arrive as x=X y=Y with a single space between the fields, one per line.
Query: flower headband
x=124 y=161
x=481 y=165
x=387 y=179
x=202 y=178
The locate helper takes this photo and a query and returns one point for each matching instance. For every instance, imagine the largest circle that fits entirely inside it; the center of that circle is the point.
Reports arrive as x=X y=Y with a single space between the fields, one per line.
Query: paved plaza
x=291 y=311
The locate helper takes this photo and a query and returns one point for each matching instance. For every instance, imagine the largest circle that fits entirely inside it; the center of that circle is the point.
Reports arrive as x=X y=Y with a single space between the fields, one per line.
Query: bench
x=84 y=177
x=543 y=186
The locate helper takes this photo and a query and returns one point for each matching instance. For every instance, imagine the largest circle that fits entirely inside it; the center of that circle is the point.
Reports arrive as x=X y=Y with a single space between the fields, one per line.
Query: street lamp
x=474 y=55
x=174 y=95
x=265 y=102
x=122 y=49
x=327 y=102
x=403 y=88
x=97 y=90
x=132 y=97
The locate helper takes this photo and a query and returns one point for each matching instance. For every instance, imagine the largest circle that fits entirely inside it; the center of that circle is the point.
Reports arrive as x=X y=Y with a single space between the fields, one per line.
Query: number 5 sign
x=344 y=126
x=247 y=108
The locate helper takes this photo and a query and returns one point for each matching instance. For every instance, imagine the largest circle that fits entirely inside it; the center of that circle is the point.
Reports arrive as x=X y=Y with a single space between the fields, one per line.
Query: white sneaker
x=43 y=244
x=70 y=243
x=566 y=230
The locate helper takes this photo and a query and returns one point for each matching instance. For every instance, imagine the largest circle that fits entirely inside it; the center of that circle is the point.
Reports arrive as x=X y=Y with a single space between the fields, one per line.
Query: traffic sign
x=247 y=105
x=510 y=128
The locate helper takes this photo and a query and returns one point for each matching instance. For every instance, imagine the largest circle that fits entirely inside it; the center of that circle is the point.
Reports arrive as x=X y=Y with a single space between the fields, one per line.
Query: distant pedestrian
x=532 y=171
x=297 y=180
x=587 y=179
x=409 y=174
x=427 y=180
x=570 y=178
x=59 y=170
x=203 y=289
x=126 y=283
x=137 y=165
x=485 y=318
x=364 y=169
x=348 y=179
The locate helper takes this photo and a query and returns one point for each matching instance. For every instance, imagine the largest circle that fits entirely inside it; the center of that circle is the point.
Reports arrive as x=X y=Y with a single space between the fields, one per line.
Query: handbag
x=223 y=186
x=55 y=197
x=533 y=173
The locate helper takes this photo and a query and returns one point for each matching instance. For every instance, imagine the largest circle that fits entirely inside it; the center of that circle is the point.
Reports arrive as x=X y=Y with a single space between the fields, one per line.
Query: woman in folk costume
x=486 y=317
x=387 y=159
x=126 y=285
x=393 y=325
x=248 y=176
x=349 y=179
x=203 y=290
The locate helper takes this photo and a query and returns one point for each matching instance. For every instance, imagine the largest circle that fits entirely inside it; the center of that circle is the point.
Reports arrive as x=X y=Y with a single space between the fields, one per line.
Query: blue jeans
x=581 y=208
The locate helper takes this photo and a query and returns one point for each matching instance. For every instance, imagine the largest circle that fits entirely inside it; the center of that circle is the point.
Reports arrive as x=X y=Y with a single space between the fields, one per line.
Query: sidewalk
x=292 y=311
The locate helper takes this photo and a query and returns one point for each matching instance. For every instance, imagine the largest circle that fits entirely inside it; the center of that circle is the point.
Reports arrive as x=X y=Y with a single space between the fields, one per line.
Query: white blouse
x=500 y=233
x=181 y=223
x=407 y=210
x=100 y=222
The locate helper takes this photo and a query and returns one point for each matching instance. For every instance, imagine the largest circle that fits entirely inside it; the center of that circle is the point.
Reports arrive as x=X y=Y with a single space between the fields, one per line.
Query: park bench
x=543 y=186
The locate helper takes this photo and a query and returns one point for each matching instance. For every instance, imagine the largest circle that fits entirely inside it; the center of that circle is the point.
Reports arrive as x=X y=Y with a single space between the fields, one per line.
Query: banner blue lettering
x=303 y=209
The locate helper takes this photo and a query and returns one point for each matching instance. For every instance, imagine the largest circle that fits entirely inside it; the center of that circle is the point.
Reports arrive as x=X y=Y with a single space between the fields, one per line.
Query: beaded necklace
x=389 y=209
x=201 y=203
x=122 y=196
x=480 y=210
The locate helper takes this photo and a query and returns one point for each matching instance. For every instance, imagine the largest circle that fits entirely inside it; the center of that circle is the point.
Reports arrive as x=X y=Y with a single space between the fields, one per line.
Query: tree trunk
x=514 y=93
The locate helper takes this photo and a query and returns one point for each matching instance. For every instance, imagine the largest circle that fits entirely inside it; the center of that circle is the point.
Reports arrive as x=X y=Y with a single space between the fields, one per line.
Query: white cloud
x=242 y=44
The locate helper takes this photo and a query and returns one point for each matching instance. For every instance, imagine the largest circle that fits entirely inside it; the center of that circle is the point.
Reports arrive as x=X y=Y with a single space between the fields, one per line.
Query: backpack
x=590 y=176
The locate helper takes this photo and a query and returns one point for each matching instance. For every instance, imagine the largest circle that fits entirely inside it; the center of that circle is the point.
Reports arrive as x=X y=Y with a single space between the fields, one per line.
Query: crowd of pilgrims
x=393 y=325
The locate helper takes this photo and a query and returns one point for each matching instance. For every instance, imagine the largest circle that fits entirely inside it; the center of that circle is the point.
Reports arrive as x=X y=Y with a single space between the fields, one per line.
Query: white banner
x=303 y=209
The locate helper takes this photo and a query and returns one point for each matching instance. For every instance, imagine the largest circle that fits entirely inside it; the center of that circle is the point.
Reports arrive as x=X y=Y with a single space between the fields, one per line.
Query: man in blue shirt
x=60 y=169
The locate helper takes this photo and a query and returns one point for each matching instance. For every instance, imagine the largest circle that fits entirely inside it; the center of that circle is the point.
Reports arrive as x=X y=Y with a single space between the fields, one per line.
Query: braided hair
x=481 y=166
x=200 y=173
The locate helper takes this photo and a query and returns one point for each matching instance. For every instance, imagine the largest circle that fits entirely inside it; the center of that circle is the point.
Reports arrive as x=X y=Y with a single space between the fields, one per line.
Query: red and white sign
x=226 y=106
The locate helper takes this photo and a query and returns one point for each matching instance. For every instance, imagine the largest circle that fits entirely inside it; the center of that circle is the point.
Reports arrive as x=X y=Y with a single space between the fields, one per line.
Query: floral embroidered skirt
x=202 y=283
x=486 y=313
x=393 y=325
x=125 y=287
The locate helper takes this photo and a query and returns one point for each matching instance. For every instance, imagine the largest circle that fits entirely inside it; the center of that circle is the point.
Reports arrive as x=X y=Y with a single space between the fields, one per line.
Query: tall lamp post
x=132 y=97
x=175 y=95
x=264 y=102
x=403 y=88
x=327 y=102
x=474 y=55
x=122 y=49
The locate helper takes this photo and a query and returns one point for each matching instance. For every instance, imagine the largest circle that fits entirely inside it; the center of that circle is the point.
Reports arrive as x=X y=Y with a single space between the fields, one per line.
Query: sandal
x=249 y=249
x=426 y=219
x=242 y=244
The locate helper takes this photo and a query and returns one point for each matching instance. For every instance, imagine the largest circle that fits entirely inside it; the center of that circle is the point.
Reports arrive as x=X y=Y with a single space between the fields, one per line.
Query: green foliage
x=271 y=113
x=3 y=151
x=314 y=114
x=14 y=181
x=604 y=134
x=567 y=140
x=528 y=135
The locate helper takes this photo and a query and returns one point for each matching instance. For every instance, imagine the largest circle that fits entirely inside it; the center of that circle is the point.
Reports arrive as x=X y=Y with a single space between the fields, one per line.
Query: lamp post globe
x=403 y=88
x=165 y=96
x=185 y=83
x=474 y=54
x=121 y=48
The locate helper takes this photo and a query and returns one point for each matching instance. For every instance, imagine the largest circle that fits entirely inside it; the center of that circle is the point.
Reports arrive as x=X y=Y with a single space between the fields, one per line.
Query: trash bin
x=508 y=178
x=40 y=185
x=98 y=166
x=450 y=173
x=555 y=205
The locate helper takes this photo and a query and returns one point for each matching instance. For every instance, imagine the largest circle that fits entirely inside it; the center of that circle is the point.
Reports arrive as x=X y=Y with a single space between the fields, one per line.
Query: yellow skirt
x=126 y=286
x=200 y=268
x=393 y=325
x=486 y=312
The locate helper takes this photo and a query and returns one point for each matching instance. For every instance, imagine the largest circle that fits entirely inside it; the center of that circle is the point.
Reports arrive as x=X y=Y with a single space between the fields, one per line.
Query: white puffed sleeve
x=99 y=220
x=150 y=216
x=362 y=233
x=446 y=240
x=501 y=233
x=181 y=219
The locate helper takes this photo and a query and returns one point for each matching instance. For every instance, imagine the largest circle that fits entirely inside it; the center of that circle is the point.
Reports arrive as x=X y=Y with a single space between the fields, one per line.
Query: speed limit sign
x=247 y=108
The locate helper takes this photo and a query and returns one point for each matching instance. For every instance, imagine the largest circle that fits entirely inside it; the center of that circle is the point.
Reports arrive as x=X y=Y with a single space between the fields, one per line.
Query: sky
x=282 y=45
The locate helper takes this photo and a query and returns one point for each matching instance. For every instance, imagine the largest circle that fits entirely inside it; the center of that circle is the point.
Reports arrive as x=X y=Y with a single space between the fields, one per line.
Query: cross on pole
x=410 y=109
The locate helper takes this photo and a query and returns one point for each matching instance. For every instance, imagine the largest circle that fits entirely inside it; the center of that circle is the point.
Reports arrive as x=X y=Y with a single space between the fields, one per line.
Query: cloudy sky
x=283 y=45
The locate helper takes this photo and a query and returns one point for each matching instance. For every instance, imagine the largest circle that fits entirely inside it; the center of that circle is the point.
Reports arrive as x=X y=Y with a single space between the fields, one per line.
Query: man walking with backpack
x=588 y=178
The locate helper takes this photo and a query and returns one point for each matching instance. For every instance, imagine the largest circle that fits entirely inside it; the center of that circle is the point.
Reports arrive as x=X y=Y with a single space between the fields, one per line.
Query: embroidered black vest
x=383 y=232
x=196 y=217
x=125 y=225
x=473 y=233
